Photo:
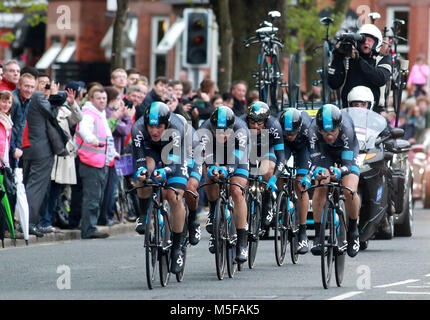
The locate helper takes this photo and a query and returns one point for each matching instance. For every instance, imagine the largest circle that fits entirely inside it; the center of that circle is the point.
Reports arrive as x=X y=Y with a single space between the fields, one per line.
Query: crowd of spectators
x=97 y=120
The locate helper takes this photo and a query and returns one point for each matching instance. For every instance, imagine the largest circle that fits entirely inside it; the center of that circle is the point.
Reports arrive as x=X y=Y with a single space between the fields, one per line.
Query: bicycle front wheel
x=151 y=249
x=293 y=234
x=220 y=236
x=254 y=220
x=339 y=262
x=281 y=228
x=328 y=242
x=231 y=242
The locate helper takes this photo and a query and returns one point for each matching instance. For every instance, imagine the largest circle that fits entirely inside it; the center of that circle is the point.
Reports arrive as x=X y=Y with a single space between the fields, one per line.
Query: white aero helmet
x=372 y=31
x=361 y=94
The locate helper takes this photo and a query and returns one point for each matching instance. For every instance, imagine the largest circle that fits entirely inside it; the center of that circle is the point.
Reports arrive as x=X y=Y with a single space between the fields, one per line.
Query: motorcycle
x=374 y=136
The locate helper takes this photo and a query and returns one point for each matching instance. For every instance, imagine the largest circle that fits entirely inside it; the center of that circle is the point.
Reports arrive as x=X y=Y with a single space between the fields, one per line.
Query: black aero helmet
x=157 y=113
x=328 y=117
x=258 y=111
x=222 y=118
x=291 y=121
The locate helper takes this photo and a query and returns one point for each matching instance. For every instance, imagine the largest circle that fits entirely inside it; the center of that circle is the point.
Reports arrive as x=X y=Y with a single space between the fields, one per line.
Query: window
x=159 y=26
x=400 y=12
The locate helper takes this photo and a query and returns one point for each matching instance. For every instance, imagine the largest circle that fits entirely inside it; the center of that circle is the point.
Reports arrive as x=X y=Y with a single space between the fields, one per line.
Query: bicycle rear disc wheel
x=220 y=235
x=294 y=232
x=281 y=229
x=254 y=217
x=151 y=249
x=339 y=262
x=328 y=241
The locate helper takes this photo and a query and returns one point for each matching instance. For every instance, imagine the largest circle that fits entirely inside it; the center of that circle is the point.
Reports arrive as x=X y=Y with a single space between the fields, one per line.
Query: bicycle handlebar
x=226 y=181
x=149 y=183
x=330 y=184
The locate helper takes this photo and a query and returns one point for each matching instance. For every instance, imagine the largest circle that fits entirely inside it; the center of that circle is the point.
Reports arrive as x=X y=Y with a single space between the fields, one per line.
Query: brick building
x=82 y=32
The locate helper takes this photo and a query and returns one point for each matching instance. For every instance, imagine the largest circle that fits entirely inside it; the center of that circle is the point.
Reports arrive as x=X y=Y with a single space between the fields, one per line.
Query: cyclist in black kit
x=149 y=144
x=333 y=140
x=225 y=132
x=295 y=129
x=270 y=143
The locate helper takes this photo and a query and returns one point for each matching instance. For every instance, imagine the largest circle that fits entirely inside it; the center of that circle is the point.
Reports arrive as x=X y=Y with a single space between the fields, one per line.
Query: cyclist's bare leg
x=177 y=210
x=303 y=200
x=192 y=203
x=240 y=206
x=352 y=204
x=319 y=199
x=145 y=193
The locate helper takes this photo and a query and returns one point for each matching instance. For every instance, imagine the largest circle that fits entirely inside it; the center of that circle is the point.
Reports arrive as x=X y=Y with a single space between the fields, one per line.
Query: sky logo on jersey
x=288 y=119
x=327 y=119
x=222 y=117
x=153 y=113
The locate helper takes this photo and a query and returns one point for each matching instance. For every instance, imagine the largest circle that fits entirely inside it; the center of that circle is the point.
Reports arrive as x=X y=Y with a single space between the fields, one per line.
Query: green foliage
x=35 y=10
x=303 y=20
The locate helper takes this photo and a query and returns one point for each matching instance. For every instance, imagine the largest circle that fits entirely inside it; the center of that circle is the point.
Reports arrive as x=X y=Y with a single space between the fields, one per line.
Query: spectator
x=11 y=73
x=143 y=80
x=120 y=122
x=64 y=170
x=119 y=80
x=133 y=76
x=37 y=153
x=253 y=96
x=142 y=94
x=94 y=152
x=217 y=100
x=315 y=94
x=156 y=94
x=424 y=104
x=6 y=99
x=203 y=99
x=417 y=80
x=238 y=91
x=1 y=72
x=228 y=100
x=415 y=122
x=21 y=101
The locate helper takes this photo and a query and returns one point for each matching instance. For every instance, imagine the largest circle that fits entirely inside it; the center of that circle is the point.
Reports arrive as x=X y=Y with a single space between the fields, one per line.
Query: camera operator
x=357 y=61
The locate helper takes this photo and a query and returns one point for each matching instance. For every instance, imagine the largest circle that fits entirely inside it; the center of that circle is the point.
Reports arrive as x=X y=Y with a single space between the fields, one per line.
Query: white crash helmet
x=361 y=94
x=374 y=32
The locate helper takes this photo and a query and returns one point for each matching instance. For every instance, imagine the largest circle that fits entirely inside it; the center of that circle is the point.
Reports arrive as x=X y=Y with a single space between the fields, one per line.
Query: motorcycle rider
x=363 y=65
x=361 y=97
x=333 y=140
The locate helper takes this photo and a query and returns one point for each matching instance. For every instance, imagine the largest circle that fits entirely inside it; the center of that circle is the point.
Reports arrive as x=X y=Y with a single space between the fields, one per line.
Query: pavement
x=68 y=235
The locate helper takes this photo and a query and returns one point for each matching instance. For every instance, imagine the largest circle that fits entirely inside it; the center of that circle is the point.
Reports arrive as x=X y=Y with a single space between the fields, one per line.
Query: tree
x=303 y=21
x=34 y=9
x=120 y=20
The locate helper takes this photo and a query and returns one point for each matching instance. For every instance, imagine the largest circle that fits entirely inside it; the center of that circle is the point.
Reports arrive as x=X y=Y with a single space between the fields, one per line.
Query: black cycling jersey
x=233 y=154
x=276 y=143
x=300 y=146
x=170 y=151
x=343 y=151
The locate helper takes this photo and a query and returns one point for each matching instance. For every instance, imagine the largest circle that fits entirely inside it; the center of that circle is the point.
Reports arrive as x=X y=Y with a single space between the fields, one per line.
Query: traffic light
x=196 y=37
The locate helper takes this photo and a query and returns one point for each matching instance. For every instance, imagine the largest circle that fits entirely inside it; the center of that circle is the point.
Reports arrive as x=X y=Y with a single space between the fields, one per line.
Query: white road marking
x=411 y=293
x=346 y=295
x=427 y=275
x=418 y=287
x=396 y=283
